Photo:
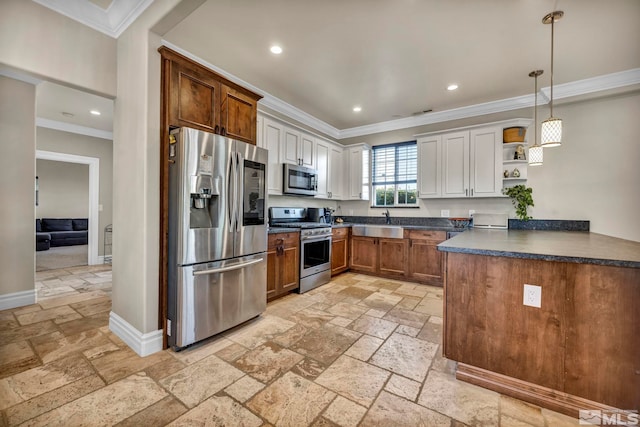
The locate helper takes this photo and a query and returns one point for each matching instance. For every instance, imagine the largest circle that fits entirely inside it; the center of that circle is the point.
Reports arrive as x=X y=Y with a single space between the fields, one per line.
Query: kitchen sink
x=386 y=231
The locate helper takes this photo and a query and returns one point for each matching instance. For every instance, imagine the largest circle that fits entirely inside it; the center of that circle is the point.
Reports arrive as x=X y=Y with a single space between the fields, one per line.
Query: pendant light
x=535 y=152
x=551 y=132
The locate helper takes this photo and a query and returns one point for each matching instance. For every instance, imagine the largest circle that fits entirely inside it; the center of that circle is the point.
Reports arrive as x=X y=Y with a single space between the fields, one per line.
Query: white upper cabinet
x=455 y=164
x=463 y=163
x=272 y=138
x=336 y=173
x=359 y=172
x=485 y=165
x=330 y=166
x=298 y=147
x=430 y=167
x=322 y=166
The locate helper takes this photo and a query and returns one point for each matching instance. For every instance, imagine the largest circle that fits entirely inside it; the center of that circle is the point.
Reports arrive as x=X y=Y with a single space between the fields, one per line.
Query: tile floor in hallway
x=359 y=351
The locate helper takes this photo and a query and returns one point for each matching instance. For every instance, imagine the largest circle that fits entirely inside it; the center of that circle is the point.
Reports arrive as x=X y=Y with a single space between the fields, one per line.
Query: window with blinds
x=394 y=175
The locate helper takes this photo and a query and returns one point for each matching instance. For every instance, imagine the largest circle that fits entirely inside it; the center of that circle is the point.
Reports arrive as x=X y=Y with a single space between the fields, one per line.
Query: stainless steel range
x=315 y=244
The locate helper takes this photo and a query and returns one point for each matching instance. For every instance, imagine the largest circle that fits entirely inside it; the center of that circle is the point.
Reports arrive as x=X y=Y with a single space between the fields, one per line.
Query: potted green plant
x=521 y=198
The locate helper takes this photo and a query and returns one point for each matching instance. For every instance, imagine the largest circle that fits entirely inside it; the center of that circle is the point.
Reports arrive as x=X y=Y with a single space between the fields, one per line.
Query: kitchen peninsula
x=574 y=349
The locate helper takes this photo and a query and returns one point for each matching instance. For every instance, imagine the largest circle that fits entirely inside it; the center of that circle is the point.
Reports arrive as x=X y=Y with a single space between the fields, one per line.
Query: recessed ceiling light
x=66 y=114
x=95 y=112
x=276 y=49
x=452 y=87
x=357 y=109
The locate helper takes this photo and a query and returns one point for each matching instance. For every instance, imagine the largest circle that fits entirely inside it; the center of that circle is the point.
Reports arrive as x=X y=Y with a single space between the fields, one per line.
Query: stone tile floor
x=359 y=351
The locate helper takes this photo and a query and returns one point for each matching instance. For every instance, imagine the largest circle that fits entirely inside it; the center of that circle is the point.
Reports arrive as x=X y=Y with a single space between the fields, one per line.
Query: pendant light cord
x=553 y=20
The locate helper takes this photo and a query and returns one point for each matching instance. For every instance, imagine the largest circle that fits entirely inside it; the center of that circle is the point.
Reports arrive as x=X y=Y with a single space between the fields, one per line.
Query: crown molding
x=594 y=84
x=112 y=22
x=18 y=75
x=579 y=87
x=71 y=128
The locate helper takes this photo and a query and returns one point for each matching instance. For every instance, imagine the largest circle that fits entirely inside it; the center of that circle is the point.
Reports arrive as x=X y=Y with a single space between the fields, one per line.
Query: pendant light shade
x=551 y=131
x=536 y=153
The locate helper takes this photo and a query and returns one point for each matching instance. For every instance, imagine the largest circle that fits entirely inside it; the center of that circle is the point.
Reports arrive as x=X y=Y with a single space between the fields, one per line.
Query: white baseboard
x=17 y=299
x=143 y=344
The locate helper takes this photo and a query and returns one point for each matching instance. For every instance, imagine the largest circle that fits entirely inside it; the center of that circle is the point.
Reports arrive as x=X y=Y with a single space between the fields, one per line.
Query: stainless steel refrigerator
x=217 y=243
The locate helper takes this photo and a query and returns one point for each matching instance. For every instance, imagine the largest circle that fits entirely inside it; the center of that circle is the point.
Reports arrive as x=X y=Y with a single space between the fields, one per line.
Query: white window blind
x=395 y=174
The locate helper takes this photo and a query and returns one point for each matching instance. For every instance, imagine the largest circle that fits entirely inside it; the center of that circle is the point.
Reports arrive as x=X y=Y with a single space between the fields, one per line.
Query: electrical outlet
x=444 y=213
x=471 y=212
x=532 y=296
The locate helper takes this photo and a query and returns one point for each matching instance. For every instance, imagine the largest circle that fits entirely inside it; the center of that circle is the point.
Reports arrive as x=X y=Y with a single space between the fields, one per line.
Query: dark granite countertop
x=564 y=246
x=408 y=227
x=276 y=230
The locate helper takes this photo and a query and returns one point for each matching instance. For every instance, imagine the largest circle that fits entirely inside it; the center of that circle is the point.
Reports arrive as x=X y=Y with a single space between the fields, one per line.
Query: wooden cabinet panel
x=339 y=250
x=603 y=328
x=486 y=324
x=392 y=256
x=578 y=350
x=197 y=97
x=426 y=263
x=283 y=263
x=238 y=115
x=290 y=268
x=193 y=98
x=364 y=254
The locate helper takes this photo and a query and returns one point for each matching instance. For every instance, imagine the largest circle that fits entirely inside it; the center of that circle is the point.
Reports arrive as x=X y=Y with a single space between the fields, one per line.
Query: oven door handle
x=229 y=268
x=310 y=238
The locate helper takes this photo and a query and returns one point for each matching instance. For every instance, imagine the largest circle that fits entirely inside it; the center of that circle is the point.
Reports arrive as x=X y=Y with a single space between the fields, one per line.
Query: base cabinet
x=385 y=257
x=339 y=250
x=426 y=263
x=283 y=261
x=580 y=348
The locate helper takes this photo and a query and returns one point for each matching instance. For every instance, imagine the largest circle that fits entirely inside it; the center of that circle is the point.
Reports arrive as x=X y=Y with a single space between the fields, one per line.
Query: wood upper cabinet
x=238 y=114
x=197 y=97
x=193 y=98
x=426 y=263
x=283 y=262
x=339 y=250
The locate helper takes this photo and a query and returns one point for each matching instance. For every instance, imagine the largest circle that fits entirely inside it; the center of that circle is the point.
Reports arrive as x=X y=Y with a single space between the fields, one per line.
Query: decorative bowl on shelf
x=459 y=222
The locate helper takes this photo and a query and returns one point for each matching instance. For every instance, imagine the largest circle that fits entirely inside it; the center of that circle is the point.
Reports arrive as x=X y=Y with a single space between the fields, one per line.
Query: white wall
x=17 y=186
x=594 y=175
x=136 y=185
x=64 y=189
x=49 y=45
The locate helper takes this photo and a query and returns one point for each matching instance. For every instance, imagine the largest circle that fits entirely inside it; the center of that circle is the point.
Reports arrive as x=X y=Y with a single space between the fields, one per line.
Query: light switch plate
x=444 y=213
x=532 y=296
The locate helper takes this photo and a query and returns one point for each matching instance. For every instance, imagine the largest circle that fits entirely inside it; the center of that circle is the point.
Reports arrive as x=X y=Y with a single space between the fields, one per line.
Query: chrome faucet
x=388 y=215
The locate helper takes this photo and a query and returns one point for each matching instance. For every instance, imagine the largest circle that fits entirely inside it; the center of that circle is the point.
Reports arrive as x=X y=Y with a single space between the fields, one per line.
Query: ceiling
x=52 y=100
x=393 y=58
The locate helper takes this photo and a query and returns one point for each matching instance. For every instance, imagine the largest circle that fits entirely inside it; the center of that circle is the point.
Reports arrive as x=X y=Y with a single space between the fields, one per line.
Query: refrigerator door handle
x=239 y=188
x=231 y=200
x=229 y=268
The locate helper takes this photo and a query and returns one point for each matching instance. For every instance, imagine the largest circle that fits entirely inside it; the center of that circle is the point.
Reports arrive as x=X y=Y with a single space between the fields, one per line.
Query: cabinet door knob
x=216 y=129
x=472 y=192
x=466 y=191
x=223 y=131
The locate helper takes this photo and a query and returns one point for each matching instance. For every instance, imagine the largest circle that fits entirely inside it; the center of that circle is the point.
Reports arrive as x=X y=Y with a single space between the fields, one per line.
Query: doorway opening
x=91 y=225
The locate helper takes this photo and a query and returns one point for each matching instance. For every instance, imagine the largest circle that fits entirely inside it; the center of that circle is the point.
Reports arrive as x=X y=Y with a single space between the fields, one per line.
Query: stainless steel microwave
x=300 y=180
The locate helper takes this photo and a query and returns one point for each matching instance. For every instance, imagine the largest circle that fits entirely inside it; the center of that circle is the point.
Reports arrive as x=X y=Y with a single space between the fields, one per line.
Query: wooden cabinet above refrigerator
x=199 y=98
